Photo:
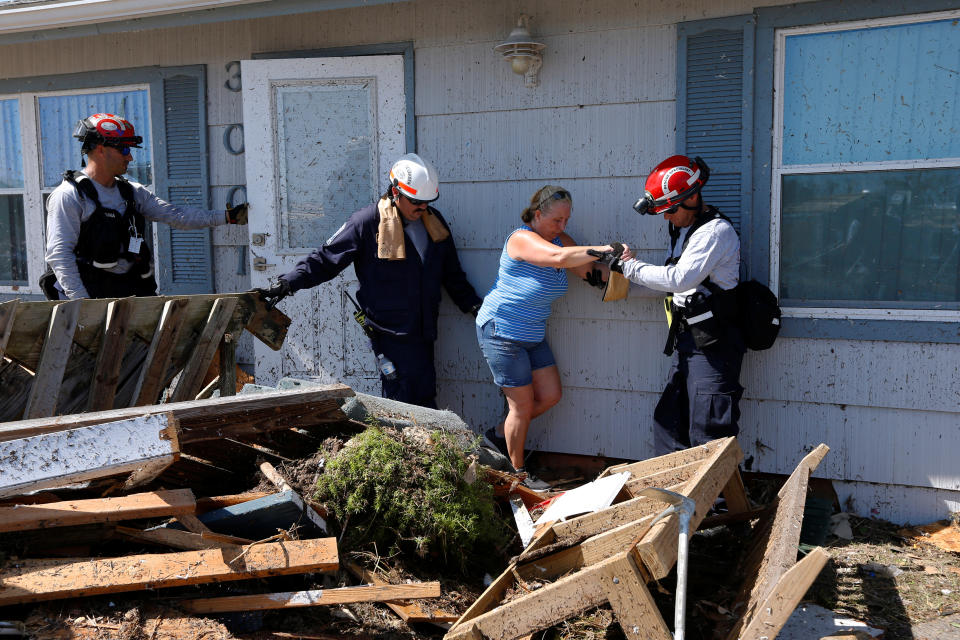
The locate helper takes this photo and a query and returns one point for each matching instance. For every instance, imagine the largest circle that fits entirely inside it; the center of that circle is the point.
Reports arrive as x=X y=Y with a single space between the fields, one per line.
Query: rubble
x=168 y=498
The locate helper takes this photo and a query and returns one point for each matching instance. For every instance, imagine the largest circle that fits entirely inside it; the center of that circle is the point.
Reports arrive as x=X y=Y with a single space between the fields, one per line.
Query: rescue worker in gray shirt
x=701 y=399
x=96 y=219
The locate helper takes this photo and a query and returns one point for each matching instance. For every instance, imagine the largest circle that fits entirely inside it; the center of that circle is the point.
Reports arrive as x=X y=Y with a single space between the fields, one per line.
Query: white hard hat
x=415 y=178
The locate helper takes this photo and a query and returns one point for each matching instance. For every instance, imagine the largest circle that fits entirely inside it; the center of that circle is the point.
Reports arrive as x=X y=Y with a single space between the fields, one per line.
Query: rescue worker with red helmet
x=701 y=399
x=403 y=254
x=96 y=241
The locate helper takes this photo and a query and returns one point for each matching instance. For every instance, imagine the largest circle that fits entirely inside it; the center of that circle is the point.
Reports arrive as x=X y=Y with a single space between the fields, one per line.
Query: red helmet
x=106 y=128
x=671 y=182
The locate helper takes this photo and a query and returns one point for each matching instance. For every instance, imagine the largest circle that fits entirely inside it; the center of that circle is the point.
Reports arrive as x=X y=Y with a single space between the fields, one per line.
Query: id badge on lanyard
x=136 y=241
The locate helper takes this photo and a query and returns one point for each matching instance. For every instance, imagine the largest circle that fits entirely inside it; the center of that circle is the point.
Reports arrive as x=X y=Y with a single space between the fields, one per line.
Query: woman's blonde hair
x=543 y=200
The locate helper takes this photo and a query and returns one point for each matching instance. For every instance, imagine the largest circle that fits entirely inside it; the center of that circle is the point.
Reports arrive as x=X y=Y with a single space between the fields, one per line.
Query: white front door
x=320 y=135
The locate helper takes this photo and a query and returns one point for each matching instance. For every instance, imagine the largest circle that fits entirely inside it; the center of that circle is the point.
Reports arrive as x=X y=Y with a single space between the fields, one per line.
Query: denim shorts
x=512 y=362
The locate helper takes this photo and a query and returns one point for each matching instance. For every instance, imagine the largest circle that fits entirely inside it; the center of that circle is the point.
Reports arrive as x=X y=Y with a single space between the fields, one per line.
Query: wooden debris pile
x=159 y=481
x=609 y=556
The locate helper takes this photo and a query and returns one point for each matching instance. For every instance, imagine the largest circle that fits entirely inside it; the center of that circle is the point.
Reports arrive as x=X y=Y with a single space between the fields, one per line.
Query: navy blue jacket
x=400 y=297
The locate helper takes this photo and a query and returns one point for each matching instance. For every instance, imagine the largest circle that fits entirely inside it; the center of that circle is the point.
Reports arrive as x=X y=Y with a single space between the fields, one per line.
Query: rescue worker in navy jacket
x=402 y=252
x=701 y=399
x=96 y=219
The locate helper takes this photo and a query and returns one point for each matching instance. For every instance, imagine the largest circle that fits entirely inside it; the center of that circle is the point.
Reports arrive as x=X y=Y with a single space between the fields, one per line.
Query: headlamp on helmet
x=670 y=183
x=108 y=129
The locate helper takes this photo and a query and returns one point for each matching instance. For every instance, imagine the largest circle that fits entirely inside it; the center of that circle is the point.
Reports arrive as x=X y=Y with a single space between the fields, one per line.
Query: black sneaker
x=533 y=482
x=498 y=441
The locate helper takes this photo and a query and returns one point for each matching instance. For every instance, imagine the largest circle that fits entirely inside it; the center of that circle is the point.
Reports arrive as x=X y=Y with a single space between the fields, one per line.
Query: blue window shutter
x=715 y=108
x=184 y=257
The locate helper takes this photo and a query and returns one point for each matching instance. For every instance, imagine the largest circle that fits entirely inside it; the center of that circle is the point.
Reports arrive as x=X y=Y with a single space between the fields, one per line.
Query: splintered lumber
x=75 y=512
x=409 y=612
x=280 y=483
x=165 y=337
x=213 y=418
x=106 y=373
x=7 y=312
x=177 y=539
x=38 y=580
x=85 y=453
x=53 y=359
x=632 y=604
x=772 y=613
x=774 y=553
x=312 y=598
x=191 y=378
x=551 y=604
x=658 y=549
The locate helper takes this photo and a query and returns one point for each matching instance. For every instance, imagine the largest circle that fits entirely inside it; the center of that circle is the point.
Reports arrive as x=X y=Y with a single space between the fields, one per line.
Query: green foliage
x=410 y=493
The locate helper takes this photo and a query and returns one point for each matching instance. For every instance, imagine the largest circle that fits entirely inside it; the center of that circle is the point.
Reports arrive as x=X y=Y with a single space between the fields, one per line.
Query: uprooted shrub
x=406 y=491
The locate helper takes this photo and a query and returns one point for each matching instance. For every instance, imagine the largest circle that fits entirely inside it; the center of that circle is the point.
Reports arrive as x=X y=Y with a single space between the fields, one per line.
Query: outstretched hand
x=275 y=293
x=611 y=258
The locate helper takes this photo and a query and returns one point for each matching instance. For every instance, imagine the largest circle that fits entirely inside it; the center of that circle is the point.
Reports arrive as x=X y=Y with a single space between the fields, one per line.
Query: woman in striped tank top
x=511 y=324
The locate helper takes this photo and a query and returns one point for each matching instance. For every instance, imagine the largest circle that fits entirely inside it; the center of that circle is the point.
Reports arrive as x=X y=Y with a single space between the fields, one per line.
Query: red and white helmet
x=671 y=182
x=106 y=128
x=415 y=178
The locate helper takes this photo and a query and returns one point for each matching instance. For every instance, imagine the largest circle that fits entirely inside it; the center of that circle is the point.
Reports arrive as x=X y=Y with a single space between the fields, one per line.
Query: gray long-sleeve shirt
x=713 y=251
x=67 y=209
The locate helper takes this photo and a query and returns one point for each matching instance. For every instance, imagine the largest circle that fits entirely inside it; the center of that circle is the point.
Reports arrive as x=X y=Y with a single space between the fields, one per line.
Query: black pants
x=701 y=401
x=416 y=381
x=103 y=284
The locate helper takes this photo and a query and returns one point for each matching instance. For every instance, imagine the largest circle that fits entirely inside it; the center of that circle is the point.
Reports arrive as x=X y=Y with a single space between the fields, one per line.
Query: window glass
x=11 y=151
x=869 y=169
x=326 y=143
x=58 y=117
x=875 y=94
x=13 y=241
x=883 y=236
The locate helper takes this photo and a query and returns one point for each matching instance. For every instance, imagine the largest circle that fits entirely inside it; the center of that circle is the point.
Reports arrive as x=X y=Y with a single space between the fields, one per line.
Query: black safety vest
x=105 y=235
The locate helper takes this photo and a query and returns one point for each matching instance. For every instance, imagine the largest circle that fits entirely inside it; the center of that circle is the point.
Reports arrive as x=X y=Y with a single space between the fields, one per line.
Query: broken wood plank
x=769 y=617
x=774 y=550
x=53 y=459
x=218 y=502
x=673 y=460
x=626 y=588
x=409 y=612
x=280 y=483
x=553 y=603
x=191 y=378
x=53 y=360
x=312 y=598
x=166 y=335
x=213 y=418
x=8 y=313
x=193 y=523
x=187 y=540
x=659 y=547
x=38 y=580
x=227 y=380
x=735 y=495
x=75 y=512
x=106 y=373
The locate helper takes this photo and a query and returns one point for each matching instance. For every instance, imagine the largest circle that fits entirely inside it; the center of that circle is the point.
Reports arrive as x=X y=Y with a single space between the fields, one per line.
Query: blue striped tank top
x=519 y=302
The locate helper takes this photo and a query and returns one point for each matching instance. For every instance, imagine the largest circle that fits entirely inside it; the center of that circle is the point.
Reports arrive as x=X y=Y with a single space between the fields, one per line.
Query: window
x=13 y=239
x=865 y=181
x=37 y=140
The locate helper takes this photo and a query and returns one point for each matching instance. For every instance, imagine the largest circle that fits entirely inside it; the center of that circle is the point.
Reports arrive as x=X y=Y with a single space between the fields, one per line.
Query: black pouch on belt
x=704 y=326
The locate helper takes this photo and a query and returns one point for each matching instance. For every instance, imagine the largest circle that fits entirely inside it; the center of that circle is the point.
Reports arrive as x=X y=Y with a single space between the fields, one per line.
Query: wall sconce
x=523 y=52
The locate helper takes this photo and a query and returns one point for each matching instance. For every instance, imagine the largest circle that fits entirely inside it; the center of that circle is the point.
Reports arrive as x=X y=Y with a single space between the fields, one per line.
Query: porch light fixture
x=523 y=52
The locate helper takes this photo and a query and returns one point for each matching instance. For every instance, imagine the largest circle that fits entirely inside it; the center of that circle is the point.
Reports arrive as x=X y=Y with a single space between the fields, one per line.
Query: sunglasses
x=556 y=195
x=124 y=149
x=414 y=201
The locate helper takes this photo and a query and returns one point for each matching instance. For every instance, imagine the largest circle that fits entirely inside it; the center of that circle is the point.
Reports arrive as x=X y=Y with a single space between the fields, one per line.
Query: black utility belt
x=699 y=317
